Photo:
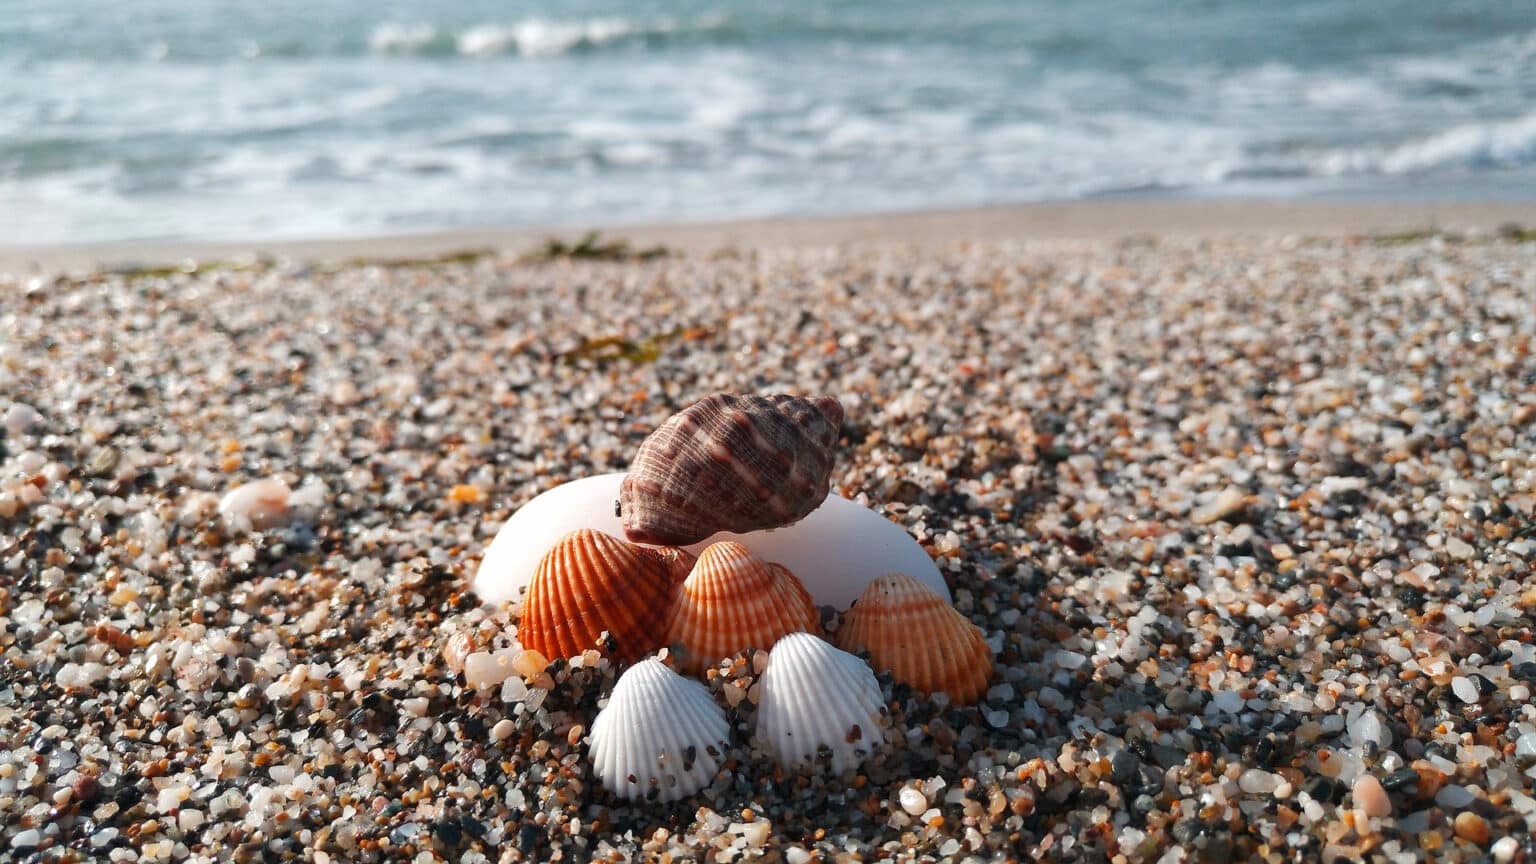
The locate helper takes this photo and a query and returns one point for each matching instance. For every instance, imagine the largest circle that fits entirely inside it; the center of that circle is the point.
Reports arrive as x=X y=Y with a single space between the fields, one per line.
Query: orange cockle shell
x=591 y=582
x=919 y=638
x=734 y=600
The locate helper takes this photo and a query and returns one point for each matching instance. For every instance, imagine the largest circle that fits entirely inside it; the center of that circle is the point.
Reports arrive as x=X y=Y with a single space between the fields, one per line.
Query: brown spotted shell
x=734 y=600
x=731 y=463
x=920 y=639
x=592 y=582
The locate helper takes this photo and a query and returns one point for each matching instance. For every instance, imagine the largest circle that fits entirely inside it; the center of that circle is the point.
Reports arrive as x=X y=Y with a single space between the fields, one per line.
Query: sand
x=1088 y=220
x=1244 y=519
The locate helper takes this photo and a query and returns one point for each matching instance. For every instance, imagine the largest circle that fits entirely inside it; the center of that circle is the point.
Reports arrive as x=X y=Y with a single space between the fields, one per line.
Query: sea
x=188 y=119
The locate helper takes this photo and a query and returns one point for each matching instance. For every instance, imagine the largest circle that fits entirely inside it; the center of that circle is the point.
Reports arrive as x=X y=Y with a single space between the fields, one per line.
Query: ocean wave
x=531 y=37
x=1501 y=144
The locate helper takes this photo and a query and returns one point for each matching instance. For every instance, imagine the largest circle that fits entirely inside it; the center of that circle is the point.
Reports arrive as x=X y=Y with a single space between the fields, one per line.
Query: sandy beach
x=1072 y=220
x=1241 y=496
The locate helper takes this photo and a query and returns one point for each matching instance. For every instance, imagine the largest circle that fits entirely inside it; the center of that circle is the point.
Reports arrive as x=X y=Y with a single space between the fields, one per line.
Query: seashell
x=734 y=600
x=835 y=551
x=259 y=504
x=918 y=637
x=815 y=696
x=591 y=582
x=660 y=734
x=730 y=463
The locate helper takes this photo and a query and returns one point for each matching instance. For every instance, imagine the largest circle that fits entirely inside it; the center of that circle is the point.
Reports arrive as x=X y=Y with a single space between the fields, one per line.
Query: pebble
x=1454 y=797
x=1472 y=828
x=1210 y=500
x=502 y=730
x=20 y=417
x=259 y=504
x=1256 y=781
x=1371 y=797
x=1466 y=689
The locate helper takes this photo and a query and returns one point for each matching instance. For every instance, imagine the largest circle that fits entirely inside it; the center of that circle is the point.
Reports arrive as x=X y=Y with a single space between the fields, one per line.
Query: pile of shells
x=722 y=474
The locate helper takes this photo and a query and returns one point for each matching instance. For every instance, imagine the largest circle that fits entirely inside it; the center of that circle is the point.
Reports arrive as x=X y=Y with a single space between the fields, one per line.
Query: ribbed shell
x=918 y=637
x=591 y=582
x=659 y=731
x=730 y=463
x=734 y=600
x=816 y=696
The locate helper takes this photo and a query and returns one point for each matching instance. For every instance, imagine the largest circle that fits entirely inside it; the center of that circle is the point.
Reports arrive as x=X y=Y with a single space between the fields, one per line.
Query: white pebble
x=260 y=504
x=1465 y=689
x=1070 y=659
x=1504 y=850
x=483 y=670
x=913 y=801
x=501 y=730
x=189 y=820
x=20 y=417
x=1257 y=782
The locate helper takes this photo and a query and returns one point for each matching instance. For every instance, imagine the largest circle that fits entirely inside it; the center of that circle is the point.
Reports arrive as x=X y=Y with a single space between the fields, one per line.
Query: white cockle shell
x=835 y=551
x=659 y=731
x=815 y=696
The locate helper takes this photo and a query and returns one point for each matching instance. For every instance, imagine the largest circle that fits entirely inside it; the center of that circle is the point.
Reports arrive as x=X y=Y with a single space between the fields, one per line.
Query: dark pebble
x=1322 y=789
x=1123 y=767
x=1400 y=780
x=527 y=839
x=448 y=831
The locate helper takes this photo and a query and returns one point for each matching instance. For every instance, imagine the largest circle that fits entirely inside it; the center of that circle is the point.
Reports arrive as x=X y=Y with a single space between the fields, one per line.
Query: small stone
x=1226 y=504
x=1371 y=797
x=483 y=670
x=502 y=729
x=1257 y=782
x=28 y=839
x=1229 y=701
x=1465 y=689
x=189 y=820
x=1504 y=850
x=465 y=493
x=913 y=801
x=1454 y=797
x=19 y=418
x=260 y=504
x=1472 y=828
x=529 y=663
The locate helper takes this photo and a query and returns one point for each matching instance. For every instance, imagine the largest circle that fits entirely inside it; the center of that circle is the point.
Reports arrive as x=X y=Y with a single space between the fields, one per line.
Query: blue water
x=190 y=119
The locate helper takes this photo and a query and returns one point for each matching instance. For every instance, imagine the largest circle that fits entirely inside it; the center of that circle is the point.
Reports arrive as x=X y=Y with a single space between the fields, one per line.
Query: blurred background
x=185 y=119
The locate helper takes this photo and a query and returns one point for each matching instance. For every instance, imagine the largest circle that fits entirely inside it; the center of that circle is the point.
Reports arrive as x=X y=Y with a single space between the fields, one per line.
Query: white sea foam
x=1505 y=143
x=401 y=38
x=541 y=37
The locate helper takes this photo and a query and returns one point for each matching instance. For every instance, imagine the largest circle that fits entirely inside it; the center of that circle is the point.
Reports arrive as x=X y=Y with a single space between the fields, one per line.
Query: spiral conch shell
x=659 y=731
x=819 y=703
x=591 y=582
x=918 y=637
x=732 y=601
x=731 y=463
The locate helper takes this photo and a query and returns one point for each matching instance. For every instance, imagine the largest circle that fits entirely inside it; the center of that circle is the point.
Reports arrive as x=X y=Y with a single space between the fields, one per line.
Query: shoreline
x=1072 y=220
